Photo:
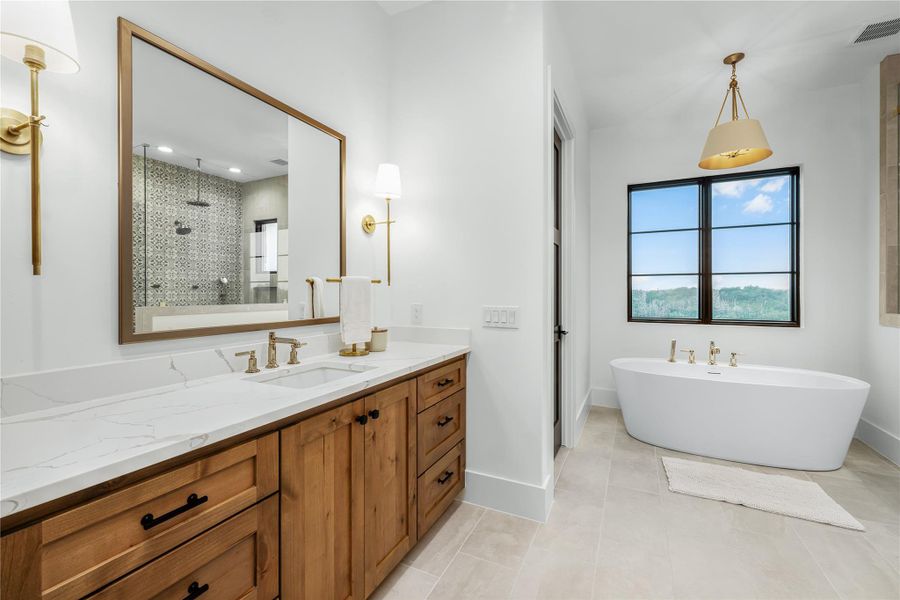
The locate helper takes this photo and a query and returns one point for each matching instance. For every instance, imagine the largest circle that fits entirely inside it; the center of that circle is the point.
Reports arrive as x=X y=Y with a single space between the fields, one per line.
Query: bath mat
x=777 y=494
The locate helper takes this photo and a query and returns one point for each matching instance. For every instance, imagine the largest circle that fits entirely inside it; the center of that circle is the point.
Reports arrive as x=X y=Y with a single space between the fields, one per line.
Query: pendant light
x=737 y=142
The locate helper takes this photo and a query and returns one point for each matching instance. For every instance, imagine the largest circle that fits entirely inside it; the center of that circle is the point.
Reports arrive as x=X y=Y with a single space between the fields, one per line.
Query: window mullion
x=705 y=252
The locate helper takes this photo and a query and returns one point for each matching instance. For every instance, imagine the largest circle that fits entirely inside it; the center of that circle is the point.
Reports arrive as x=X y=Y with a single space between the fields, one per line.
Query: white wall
x=880 y=345
x=467 y=129
x=820 y=133
x=330 y=60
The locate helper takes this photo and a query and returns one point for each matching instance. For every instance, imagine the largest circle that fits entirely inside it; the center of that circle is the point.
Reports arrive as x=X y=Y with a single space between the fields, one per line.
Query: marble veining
x=69 y=446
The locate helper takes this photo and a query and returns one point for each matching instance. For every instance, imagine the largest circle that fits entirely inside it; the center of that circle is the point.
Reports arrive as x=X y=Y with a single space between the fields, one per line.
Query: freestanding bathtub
x=772 y=416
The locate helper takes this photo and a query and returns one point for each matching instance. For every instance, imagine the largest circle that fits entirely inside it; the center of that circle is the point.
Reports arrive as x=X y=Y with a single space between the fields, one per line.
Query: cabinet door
x=390 y=479
x=322 y=506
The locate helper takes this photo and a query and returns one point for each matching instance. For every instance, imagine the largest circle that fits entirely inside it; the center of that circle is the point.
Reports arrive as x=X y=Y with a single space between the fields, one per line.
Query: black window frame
x=705 y=229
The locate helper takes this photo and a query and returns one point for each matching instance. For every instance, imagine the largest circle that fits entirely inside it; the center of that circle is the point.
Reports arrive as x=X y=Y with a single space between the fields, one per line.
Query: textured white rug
x=777 y=494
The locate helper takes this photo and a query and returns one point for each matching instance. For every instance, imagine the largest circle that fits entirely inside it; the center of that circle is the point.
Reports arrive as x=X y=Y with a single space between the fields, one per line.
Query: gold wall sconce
x=387 y=186
x=737 y=142
x=40 y=35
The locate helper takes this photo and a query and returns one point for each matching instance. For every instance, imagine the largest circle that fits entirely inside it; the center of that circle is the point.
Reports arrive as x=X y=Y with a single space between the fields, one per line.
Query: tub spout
x=713 y=351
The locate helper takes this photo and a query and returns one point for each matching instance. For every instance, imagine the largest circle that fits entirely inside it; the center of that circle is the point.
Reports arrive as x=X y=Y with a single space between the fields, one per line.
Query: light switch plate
x=503 y=317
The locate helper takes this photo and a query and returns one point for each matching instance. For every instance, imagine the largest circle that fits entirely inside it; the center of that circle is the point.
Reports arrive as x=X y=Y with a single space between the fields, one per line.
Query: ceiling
x=199 y=116
x=634 y=59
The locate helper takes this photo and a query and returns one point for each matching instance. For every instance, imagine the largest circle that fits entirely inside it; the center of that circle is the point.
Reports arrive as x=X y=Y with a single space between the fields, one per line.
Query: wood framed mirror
x=230 y=202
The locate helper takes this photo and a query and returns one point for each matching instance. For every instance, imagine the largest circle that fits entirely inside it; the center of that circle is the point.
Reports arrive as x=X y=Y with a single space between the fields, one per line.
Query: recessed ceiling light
x=234 y=170
x=165 y=149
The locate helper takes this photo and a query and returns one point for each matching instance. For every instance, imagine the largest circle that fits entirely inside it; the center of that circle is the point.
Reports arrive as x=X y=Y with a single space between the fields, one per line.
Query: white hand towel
x=356 y=309
x=315 y=298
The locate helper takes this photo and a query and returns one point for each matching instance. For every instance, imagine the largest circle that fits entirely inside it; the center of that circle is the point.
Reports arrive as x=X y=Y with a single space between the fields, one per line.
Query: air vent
x=878 y=30
x=279 y=161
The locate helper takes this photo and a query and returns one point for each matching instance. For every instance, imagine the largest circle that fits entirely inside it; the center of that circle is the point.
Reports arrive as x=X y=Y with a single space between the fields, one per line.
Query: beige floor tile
x=574 y=522
x=861 y=458
x=471 y=578
x=633 y=516
x=558 y=461
x=405 y=583
x=435 y=551
x=853 y=566
x=625 y=445
x=862 y=499
x=500 y=538
x=634 y=470
x=597 y=442
x=708 y=564
x=584 y=472
x=561 y=572
x=885 y=538
x=780 y=566
x=632 y=570
x=602 y=417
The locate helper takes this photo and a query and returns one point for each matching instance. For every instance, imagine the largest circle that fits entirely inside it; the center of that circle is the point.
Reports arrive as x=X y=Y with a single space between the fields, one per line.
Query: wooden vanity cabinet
x=327 y=505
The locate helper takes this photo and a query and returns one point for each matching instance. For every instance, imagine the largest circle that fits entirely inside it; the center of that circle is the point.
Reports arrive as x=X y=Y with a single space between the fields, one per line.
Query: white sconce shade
x=735 y=144
x=387 y=181
x=47 y=25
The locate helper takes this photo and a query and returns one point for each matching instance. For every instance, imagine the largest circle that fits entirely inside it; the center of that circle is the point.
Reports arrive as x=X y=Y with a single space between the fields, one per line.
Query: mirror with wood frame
x=230 y=202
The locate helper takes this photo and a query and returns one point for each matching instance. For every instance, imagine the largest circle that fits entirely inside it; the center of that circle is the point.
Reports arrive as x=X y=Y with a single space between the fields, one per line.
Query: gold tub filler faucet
x=713 y=352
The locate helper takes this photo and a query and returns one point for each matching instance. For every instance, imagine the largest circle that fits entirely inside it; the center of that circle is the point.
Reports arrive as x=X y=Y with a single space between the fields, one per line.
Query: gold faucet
x=672 y=351
x=251 y=362
x=733 y=361
x=713 y=351
x=692 y=357
x=271 y=362
x=295 y=345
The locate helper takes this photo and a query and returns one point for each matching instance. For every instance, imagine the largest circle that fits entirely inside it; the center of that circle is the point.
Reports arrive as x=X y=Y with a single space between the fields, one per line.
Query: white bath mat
x=777 y=494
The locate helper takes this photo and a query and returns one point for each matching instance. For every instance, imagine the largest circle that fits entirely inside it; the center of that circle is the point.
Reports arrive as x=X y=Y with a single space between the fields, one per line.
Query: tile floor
x=616 y=532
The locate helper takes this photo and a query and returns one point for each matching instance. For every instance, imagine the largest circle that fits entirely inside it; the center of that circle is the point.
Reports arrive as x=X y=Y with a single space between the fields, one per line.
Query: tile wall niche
x=186 y=268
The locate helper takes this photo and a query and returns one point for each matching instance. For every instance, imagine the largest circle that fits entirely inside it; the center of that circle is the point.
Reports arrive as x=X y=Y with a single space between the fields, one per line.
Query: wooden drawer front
x=98 y=542
x=235 y=560
x=440 y=428
x=445 y=381
x=439 y=485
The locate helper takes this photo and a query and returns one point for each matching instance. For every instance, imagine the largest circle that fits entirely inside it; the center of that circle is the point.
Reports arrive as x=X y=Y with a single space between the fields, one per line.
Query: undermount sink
x=307 y=376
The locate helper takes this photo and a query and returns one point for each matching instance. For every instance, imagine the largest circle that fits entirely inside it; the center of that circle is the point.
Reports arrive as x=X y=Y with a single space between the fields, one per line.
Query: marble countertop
x=54 y=452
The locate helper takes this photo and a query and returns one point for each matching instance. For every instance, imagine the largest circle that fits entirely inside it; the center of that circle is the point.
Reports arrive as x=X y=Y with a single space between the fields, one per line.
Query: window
x=267 y=246
x=720 y=250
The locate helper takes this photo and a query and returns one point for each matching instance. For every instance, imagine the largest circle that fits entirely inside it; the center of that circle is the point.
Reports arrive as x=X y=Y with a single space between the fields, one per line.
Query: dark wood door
x=390 y=499
x=558 y=330
x=322 y=518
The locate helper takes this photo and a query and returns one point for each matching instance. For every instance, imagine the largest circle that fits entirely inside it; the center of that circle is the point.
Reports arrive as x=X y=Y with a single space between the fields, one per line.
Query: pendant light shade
x=737 y=142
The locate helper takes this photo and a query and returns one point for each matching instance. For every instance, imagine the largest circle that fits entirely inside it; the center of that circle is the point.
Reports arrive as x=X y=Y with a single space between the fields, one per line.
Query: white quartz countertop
x=51 y=453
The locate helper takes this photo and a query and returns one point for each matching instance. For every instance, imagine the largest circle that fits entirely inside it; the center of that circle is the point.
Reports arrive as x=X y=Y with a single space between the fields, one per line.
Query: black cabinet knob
x=374 y=414
x=362 y=419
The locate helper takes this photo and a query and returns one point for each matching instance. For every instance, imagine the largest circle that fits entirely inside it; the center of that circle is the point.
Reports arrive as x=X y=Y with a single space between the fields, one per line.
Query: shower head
x=181 y=229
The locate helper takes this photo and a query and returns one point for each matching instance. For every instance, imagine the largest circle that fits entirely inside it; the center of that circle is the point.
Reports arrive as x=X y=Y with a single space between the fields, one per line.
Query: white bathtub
x=762 y=415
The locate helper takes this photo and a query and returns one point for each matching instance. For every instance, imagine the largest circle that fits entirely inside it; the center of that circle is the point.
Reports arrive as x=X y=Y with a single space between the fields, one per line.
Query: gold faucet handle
x=692 y=356
x=295 y=345
x=733 y=362
x=251 y=362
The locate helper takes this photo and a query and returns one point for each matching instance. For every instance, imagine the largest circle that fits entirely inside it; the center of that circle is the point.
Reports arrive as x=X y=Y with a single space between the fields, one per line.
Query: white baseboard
x=604 y=397
x=583 y=412
x=879 y=440
x=509 y=496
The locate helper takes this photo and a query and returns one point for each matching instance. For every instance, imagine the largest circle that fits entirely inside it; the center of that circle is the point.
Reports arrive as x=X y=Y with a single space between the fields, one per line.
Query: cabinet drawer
x=436 y=385
x=440 y=428
x=439 y=485
x=235 y=560
x=91 y=545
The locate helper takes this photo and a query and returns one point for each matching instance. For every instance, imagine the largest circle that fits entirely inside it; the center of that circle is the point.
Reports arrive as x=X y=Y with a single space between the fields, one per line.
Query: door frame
x=562 y=125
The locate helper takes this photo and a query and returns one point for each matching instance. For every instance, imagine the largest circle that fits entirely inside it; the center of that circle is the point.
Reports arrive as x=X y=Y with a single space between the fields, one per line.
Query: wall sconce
x=40 y=34
x=387 y=186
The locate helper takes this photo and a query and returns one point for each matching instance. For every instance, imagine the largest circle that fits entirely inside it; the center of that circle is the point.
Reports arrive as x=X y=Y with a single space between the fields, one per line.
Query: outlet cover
x=415 y=316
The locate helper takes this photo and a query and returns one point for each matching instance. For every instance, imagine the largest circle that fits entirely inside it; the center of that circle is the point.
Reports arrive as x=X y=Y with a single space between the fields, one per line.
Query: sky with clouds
x=764 y=201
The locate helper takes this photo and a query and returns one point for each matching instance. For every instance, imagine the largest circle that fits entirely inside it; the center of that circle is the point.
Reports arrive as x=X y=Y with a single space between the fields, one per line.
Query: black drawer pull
x=445 y=381
x=443 y=421
x=193 y=500
x=362 y=419
x=445 y=477
x=195 y=590
x=374 y=414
